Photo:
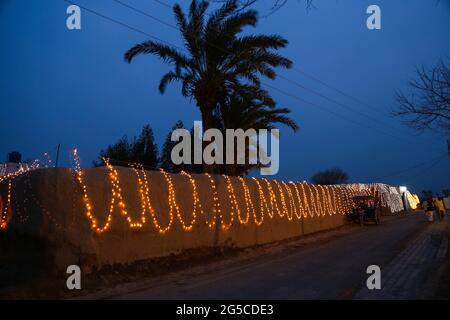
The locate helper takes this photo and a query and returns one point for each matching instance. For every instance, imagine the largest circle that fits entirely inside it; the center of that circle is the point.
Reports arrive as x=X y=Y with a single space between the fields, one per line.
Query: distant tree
x=330 y=176
x=166 y=153
x=117 y=153
x=144 y=149
x=141 y=150
x=428 y=107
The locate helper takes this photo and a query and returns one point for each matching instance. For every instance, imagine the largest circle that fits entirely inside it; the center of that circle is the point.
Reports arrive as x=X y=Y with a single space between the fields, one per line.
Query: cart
x=366 y=209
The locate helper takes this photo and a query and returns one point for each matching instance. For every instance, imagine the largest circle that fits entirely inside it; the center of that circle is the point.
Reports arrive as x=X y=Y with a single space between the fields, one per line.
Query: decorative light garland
x=292 y=206
x=283 y=202
x=6 y=207
x=263 y=202
x=232 y=198
x=303 y=213
x=273 y=200
x=298 y=200
x=248 y=202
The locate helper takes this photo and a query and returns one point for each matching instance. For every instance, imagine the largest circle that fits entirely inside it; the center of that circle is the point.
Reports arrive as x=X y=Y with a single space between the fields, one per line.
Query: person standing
x=440 y=208
x=429 y=209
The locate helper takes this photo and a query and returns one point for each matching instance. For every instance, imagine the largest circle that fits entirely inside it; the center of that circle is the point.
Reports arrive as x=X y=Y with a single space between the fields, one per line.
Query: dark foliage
x=330 y=177
x=142 y=149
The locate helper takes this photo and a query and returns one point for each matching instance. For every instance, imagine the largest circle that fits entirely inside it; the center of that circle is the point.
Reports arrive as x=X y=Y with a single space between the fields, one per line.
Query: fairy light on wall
x=273 y=200
x=173 y=205
x=335 y=200
x=292 y=205
x=6 y=207
x=310 y=200
x=312 y=195
x=263 y=205
x=326 y=190
x=142 y=193
x=294 y=199
x=302 y=208
x=320 y=202
x=232 y=198
x=306 y=206
x=197 y=206
x=248 y=202
x=283 y=202
x=325 y=200
x=292 y=209
x=217 y=211
x=146 y=188
x=116 y=192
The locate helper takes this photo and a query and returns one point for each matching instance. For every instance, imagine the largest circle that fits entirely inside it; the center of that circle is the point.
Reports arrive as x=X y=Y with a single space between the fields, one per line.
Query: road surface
x=408 y=249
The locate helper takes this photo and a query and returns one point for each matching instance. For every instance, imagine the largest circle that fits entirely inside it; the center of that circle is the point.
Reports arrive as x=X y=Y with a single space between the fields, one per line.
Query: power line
x=123 y=24
x=434 y=160
x=146 y=14
x=347 y=95
x=163 y=3
x=270 y=86
x=300 y=85
x=328 y=110
x=420 y=164
x=426 y=170
x=310 y=76
x=337 y=102
x=280 y=76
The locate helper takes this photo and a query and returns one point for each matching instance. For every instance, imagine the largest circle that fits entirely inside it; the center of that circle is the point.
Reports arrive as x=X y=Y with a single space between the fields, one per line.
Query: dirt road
x=408 y=249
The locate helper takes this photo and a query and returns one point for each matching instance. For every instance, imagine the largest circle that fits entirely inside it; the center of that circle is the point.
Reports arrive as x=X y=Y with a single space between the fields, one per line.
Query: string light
x=283 y=202
x=262 y=205
x=195 y=197
x=173 y=206
x=232 y=198
x=295 y=200
x=302 y=207
x=248 y=202
x=6 y=207
x=292 y=206
x=273 y=200
x=146 y=199
x=217 y=211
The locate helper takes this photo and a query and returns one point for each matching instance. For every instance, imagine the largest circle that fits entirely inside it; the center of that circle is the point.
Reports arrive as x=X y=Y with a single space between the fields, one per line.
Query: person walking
x=429 y=209
x=440 y=208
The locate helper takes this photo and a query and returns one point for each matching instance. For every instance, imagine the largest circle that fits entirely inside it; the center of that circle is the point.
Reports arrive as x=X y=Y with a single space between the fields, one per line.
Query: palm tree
x=252 y=108
x=218 y=60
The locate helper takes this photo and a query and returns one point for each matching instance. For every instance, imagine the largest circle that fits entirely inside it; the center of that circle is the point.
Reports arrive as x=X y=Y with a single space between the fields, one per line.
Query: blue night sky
x=74 y=88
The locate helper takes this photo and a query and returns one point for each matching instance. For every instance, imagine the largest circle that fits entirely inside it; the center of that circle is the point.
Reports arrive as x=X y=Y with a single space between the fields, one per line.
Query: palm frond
x=165 y=52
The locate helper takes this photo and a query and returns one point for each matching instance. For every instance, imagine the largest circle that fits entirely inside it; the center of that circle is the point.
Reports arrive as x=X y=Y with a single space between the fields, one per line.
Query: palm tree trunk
x=207 y=123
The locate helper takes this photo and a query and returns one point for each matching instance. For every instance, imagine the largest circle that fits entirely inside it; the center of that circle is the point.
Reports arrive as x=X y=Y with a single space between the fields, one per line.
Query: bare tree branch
x=429 y=106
